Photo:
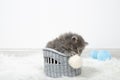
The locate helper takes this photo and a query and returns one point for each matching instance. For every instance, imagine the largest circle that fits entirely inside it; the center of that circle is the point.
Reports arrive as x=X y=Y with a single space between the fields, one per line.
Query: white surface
x=31 y=23
x=30 y=67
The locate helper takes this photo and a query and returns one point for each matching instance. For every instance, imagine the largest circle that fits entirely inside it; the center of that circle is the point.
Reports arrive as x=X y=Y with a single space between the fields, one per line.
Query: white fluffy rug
x=30 y=67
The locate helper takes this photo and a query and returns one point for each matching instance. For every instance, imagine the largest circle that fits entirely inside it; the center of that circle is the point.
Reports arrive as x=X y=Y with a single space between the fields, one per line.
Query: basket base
x=57 y=74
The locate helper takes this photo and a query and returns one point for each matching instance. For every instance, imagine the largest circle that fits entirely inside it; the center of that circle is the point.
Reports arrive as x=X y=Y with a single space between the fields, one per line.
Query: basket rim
x=53 y=50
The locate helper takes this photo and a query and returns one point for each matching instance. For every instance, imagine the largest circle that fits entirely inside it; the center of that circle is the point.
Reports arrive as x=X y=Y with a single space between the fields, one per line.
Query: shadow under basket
x=56 y=64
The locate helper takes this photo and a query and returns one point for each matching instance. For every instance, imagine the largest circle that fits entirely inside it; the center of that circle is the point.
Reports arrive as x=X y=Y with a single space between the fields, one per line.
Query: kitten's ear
x=74 y=38
x=86 y=43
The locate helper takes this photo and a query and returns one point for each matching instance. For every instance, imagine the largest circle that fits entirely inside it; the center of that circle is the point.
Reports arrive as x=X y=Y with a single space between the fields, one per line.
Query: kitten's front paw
x=73 y=53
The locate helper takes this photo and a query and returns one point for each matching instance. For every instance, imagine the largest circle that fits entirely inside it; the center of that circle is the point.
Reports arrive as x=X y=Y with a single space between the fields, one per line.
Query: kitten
x=68 y=43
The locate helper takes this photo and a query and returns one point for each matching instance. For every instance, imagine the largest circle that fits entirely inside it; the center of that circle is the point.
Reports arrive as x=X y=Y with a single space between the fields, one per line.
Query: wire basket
x=56 y=64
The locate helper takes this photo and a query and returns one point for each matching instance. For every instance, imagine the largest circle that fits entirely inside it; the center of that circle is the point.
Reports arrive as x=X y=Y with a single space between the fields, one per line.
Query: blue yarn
x=101 y=55
x=93 y=54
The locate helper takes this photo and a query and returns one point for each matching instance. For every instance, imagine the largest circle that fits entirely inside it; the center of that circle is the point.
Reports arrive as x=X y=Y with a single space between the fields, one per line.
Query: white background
x=32 y=23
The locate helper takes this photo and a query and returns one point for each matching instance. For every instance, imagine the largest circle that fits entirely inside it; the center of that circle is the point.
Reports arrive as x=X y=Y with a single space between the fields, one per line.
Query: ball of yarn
x=100 y=55
x=93 y=54
x=103 y=55
x=75 y=61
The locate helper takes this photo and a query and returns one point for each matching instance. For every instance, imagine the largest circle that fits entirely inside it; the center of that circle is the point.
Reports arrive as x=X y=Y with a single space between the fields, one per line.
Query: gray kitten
x=68 y=43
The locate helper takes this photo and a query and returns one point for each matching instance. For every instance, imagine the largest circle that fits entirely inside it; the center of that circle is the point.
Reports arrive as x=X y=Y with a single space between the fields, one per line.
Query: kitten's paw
x=73 y=53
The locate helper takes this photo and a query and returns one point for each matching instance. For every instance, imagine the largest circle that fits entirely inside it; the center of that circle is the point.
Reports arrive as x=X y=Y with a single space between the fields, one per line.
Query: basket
x=56 y=64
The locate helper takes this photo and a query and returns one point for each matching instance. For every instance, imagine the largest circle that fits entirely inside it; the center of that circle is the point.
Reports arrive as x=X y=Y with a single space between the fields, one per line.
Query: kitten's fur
x=68 y=43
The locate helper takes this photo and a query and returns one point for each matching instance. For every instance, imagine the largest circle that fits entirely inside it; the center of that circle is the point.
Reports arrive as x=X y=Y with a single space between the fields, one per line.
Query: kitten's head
x=74 y=42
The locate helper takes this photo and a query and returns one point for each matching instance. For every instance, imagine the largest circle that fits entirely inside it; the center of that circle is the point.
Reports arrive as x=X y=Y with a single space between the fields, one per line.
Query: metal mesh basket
x=56 y=64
